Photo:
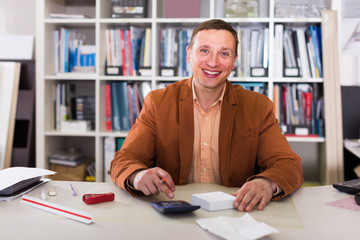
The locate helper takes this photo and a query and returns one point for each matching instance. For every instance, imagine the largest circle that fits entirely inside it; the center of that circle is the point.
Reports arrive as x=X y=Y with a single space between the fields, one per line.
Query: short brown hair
x=216 y=24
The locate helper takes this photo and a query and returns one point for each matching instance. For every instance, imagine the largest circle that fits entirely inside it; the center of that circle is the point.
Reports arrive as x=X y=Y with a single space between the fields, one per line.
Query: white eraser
x=213 y=201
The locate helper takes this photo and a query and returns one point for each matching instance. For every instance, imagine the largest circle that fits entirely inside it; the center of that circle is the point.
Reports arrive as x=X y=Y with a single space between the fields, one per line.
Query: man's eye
x=225 y=54
x=204 y=51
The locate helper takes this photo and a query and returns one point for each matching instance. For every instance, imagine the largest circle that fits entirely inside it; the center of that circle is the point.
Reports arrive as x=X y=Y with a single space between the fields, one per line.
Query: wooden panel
x=9 y=87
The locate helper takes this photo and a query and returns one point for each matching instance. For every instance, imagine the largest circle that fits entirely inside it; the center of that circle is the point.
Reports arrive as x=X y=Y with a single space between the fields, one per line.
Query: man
x=204 y=129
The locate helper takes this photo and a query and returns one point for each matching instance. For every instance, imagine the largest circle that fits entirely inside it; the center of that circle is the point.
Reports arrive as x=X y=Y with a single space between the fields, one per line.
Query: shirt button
x=205 y=144
x=205 y=169
x=206 y=118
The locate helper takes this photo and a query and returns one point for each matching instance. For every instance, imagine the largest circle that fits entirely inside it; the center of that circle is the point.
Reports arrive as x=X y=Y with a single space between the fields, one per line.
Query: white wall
x=17 y=17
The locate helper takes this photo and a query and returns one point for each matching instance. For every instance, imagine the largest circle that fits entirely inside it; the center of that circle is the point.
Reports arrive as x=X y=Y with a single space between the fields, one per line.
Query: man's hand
x=153 y=180
x=256 y=192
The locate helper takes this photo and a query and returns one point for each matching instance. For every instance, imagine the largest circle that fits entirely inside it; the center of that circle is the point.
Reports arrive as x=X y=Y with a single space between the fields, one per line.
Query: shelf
x=125 y=20
x=306 y=139
x=71 y=21
x=94 y=84
x=297 y=20
x=298 y=80
x=71 y=76
x=69 y=134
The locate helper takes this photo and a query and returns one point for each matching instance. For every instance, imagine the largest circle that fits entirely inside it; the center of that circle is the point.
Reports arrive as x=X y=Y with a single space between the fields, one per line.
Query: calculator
x=178 y=206
x=350 y=186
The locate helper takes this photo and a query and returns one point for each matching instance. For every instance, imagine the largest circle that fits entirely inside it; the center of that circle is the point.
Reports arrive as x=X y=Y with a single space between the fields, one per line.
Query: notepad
x=213 y=201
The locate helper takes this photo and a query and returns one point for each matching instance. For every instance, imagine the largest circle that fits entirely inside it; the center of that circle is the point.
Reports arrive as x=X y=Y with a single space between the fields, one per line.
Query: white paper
x=213 y=201
x=231 y=228
x=10 y=176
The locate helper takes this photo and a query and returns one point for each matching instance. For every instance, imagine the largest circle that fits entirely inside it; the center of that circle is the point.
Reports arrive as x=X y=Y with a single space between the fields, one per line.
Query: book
x=304 y=59
x=123 y=54
x=316 y=44
x=131 y=110
x=278 y=51
x=108 y=120
x=67 y=15
x=109 y=148
x=147 y=48
x=71 y=157
x=123 y=105
x=115 y=109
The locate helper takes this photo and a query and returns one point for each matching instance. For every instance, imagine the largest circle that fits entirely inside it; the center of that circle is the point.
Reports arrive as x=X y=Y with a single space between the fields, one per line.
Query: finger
x=166 y=178
x=151 y=185
x=240 y=194
x=245 y=200
x=262 y=204
x=144 y=189
x=163 y=186
x=254 y=201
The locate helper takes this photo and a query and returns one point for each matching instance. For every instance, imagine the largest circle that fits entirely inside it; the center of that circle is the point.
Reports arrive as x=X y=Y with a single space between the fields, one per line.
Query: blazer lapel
x=186 y=130
x=228 y=108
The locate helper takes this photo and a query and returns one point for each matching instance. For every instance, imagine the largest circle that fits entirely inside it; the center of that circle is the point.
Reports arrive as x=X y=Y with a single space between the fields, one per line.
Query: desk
x=134 y=218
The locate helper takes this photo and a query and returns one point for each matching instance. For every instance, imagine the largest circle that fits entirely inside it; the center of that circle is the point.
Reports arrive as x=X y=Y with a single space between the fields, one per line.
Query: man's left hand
x=255 y=192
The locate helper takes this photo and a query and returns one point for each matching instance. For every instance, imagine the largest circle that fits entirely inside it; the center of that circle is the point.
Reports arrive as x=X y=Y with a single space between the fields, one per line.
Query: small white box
x=213 y=201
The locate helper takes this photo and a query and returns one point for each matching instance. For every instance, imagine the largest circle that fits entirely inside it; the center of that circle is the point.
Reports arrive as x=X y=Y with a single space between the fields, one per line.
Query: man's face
x=212 y=57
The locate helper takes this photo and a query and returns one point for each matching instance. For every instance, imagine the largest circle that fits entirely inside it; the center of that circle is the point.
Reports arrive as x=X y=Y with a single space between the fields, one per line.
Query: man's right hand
x=150 y=182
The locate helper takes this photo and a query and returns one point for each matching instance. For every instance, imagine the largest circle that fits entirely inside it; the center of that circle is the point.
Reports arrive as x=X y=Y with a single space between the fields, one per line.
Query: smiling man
x=204 y=129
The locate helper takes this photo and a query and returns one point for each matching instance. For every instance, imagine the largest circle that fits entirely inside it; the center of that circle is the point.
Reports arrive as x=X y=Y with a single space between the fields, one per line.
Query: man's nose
x=213 y=60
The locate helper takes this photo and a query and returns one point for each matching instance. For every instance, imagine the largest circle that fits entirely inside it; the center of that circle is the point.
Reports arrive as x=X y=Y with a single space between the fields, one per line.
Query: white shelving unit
x=49 y=140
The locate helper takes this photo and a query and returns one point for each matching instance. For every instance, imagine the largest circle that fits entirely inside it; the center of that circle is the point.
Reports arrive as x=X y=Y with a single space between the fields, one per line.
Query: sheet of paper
x=231 y=228
x=347 y=203
x=10 y=176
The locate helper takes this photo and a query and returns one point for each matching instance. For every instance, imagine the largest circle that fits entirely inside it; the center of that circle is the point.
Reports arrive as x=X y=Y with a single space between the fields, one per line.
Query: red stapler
x=98 y=198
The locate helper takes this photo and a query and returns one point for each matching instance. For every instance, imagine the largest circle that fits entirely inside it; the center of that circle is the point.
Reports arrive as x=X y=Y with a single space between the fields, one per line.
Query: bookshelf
x=94 y=26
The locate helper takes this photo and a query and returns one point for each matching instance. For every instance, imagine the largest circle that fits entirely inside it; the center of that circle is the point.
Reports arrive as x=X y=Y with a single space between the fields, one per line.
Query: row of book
x=173 y=43
x=298 y=51
x=128 y=51
x=123 y=102
x=253 y=51
x=71 y=53
x=299 y=108
x=68 y=107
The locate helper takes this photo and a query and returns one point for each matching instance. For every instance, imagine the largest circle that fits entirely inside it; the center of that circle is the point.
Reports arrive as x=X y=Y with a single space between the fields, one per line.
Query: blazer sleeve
x=275 y=157
x=138 y=149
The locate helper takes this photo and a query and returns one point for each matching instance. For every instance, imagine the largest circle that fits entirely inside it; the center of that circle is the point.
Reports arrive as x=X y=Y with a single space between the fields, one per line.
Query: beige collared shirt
x=205 y=160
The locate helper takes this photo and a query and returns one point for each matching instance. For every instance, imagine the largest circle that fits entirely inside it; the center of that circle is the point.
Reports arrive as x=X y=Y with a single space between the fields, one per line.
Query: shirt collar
x=220 y=99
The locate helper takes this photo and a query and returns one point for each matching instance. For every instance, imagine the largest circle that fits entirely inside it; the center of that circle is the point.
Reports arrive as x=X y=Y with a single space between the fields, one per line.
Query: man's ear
x=188 y=53
x=234 y=63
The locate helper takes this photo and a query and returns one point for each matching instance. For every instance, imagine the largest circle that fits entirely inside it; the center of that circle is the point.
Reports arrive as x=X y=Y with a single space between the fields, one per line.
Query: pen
x=162 y=180
x=72 y=190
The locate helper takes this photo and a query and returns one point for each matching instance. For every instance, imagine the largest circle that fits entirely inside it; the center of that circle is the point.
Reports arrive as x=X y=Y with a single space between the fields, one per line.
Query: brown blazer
x=249 y=135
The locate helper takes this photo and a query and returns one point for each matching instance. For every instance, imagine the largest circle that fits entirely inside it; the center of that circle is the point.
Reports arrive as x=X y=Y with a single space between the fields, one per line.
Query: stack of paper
x=17 y=181
x=213 y=201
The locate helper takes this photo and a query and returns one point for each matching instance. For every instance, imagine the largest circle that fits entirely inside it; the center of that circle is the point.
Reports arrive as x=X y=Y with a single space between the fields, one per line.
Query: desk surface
x=304 y=215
